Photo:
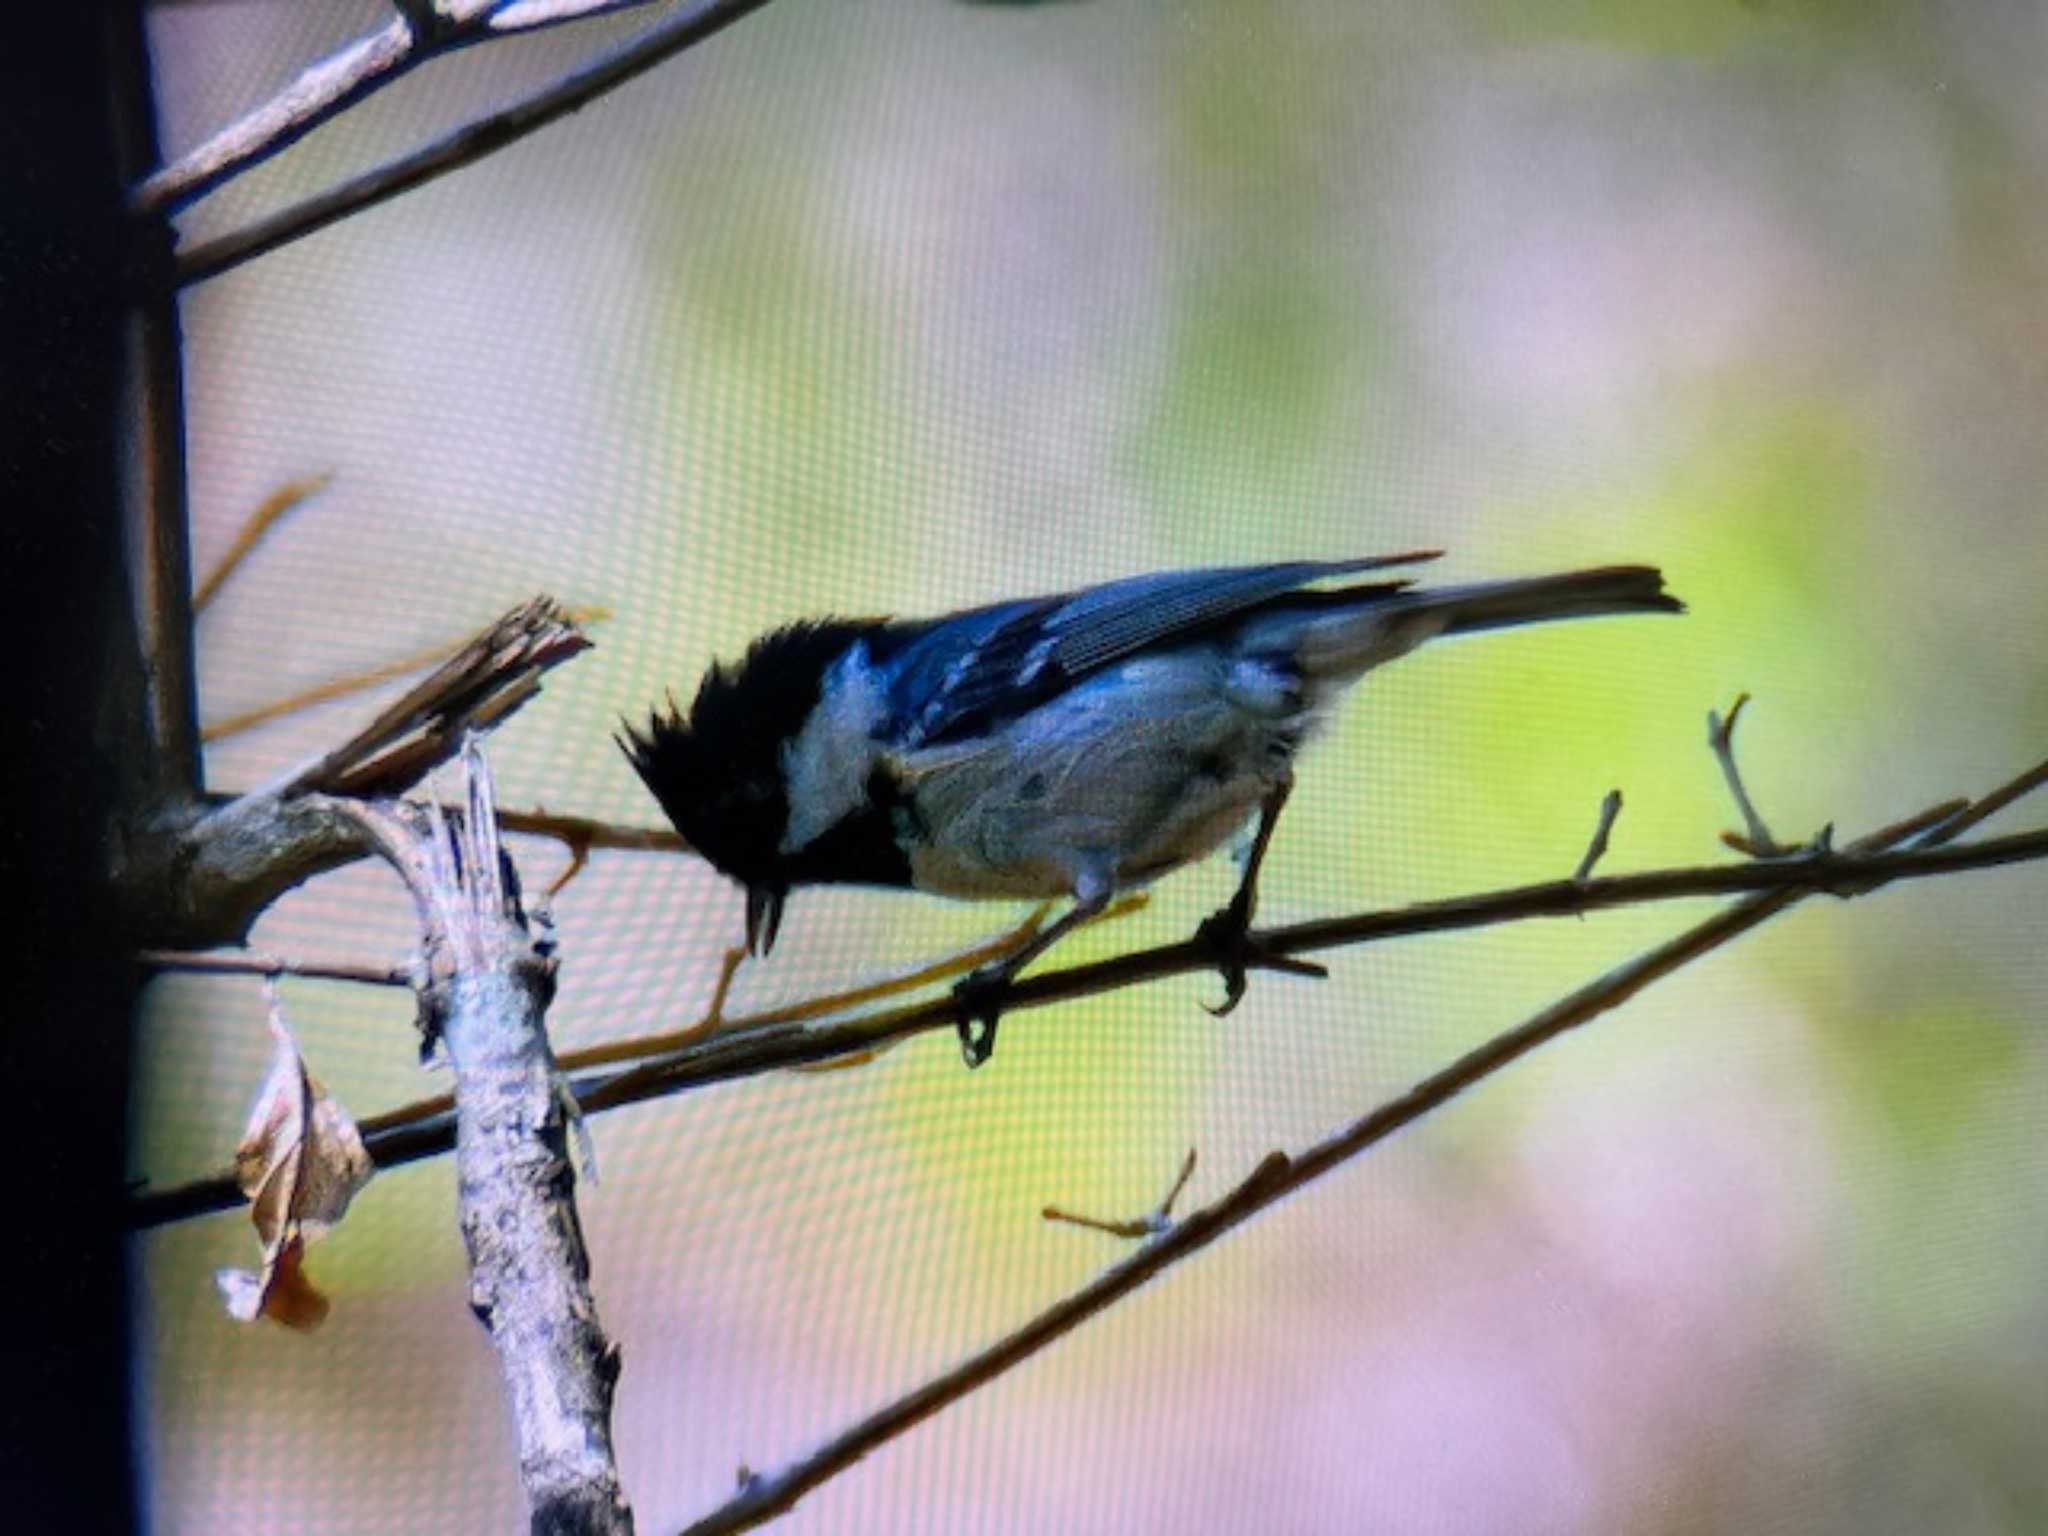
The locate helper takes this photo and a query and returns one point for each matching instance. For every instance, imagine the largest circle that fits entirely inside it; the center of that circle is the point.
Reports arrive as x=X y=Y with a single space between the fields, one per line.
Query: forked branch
x=418 y=31
x=690 y=25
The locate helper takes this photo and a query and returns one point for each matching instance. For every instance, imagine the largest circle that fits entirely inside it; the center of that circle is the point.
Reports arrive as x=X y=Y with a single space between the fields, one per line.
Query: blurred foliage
x=1687 y=27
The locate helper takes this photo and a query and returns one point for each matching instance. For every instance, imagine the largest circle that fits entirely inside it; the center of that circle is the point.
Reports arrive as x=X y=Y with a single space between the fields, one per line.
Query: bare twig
x=690 y=25
x=1962 y=815
x=645 y=1047
x=324 y=90
x=319 y=93
x=254 y=963
x=482 y=683
x=582 y=836
x=1755 y=840
x=372 y=677
x=1277 y=1175
x=1610 y=808
x=490 y=981
x=423 y=1131
x=320 y=693
x=574 y=830
x=1151 y=1224
x=266 y=516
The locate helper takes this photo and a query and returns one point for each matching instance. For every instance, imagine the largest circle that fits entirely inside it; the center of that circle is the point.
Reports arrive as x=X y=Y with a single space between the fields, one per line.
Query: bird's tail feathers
x=1348 y=638
x=1536 y=599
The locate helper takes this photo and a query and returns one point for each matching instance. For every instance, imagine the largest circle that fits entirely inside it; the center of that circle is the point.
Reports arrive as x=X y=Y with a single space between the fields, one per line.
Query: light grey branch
x=1755 y=838
x=490 y=981
x=690 y=25
x=321 y=91
x=422 y=30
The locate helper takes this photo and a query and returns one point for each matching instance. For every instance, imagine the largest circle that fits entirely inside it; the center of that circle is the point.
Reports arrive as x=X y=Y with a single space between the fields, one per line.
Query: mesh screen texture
x=904 y=305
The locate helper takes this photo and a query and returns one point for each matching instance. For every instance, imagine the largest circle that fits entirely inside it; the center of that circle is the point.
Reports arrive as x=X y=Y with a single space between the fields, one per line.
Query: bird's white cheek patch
x=827 y=763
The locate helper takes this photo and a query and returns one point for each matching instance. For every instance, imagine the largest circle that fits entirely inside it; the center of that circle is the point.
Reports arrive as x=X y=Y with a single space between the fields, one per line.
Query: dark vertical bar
x=66 y=1447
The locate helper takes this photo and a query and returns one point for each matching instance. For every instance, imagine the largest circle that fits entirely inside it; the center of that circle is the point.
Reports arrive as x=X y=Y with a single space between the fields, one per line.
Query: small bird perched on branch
x=1077 y=745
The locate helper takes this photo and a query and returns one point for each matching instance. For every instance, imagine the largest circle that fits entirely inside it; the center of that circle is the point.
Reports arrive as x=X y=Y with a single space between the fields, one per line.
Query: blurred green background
x=901 y=305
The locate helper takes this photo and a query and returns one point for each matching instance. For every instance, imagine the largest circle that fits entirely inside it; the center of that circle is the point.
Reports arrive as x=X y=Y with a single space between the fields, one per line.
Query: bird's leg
x=1227 y=934
x=980 y=992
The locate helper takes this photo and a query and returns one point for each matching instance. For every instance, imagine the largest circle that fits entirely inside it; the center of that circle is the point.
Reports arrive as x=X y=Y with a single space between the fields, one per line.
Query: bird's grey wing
x=1047 y=646
x=1106 y=623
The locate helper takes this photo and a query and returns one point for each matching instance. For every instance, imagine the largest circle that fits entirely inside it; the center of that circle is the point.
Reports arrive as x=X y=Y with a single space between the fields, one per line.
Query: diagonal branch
x=1909 y=849
x=479 y=685
x=272 y=510
x=1277 y=1175
x=351 y=682
x=692 y=24
x=322 y=91
x=325 y=89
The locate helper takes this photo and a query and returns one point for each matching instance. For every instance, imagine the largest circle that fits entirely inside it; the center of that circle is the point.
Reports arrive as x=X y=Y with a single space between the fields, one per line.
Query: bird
x=1075 y=745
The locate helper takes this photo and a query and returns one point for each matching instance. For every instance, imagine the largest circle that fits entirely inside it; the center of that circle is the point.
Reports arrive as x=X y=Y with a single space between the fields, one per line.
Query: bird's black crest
x=717 y=770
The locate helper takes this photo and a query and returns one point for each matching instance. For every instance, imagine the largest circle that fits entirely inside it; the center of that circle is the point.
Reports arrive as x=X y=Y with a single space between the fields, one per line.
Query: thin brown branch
x=692 y=24
x=959 y=963
x=373 y=677
x=258 y=844
x=490 y=978
x=320 y=693
x=1155 y=1221
x=1277 y=1175
x=1610 y=808
x=1959 y=816
x=481 y=684
x=243 y=962
x=268 y=513
x=582 y=832
x=423 y=1131
x=641 y=1047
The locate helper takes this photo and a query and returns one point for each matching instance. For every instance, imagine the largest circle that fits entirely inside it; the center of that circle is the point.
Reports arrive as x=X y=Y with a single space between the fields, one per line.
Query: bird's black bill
x=764 y=916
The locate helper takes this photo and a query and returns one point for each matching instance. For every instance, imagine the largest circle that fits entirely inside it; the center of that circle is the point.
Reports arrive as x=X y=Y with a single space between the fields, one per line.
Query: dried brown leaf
x=280 y=1291
x=300 y=1162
